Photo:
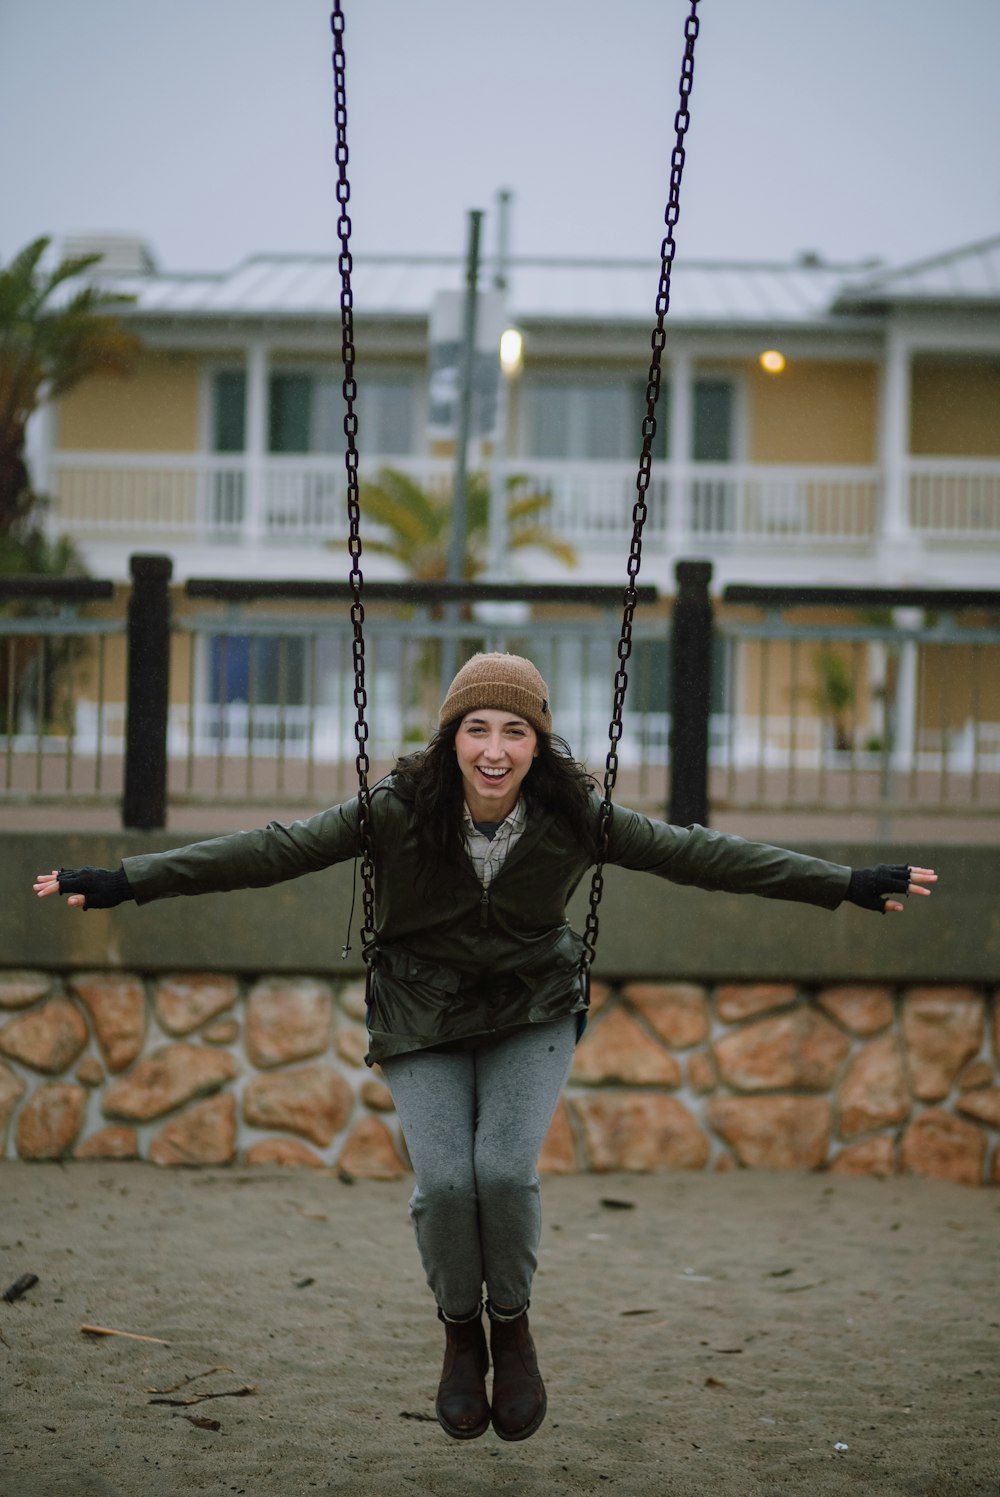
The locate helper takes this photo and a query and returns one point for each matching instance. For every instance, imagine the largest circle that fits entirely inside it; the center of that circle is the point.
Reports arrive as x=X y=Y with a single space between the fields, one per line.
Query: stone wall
x=212 y=1068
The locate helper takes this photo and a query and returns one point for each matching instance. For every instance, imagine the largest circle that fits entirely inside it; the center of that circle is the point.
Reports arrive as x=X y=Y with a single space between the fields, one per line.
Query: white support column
x=258 y=361
x=679 y=464
x=895 y=538
x=39 y=452
x=904 y=746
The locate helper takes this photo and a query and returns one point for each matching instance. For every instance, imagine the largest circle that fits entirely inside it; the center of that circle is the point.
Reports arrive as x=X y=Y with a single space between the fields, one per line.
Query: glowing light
x=772 y=361
x=511 y=350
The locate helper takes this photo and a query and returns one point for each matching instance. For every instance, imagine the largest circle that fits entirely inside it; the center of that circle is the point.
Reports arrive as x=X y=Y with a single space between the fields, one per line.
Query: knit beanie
x=508 y=683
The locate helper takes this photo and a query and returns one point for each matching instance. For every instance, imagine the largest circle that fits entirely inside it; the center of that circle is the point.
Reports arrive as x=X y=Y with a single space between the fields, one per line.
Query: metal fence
x=822 y=704
x=877 y=703
x=55 y=743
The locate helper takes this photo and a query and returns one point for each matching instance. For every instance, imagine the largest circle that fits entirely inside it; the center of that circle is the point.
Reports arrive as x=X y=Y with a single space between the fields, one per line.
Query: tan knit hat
x=508 y=683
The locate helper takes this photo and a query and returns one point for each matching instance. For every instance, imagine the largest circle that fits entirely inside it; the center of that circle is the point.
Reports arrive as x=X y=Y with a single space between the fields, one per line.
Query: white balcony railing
x=957 y=501
x=229 y=499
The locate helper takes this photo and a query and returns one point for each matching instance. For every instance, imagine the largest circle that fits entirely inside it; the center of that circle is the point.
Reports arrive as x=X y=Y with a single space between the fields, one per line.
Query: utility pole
x=456 y=539
x=498 y=460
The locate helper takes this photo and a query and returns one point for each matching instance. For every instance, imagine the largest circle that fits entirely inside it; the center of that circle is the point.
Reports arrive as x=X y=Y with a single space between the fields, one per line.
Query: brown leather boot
x=519 y=1400
x=462 y=1408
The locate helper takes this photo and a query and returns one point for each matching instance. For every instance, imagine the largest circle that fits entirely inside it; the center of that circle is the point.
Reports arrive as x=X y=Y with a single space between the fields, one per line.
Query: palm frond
x=544 y=540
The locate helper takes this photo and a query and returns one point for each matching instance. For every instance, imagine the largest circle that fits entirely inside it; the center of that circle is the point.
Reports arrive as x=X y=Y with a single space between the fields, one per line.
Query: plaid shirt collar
x=488 y=854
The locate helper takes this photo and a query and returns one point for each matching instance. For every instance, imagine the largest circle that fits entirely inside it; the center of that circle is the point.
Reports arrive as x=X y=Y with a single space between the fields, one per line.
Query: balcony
x=768 y=523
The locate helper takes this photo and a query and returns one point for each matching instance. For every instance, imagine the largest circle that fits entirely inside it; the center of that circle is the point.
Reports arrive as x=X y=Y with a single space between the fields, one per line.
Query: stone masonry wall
x=205 y=1069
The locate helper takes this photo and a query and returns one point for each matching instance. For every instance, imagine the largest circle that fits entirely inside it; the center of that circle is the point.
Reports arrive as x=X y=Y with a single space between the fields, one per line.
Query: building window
x=229 y=406
x=387 y=415
x=580 y=420
x=305 y=413
x=290 y=421
x=712 y=497
x=712 y=438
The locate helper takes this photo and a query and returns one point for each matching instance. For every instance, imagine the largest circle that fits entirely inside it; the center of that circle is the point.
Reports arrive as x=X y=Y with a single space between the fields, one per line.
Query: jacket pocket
x=552 y=976
x=411 y=996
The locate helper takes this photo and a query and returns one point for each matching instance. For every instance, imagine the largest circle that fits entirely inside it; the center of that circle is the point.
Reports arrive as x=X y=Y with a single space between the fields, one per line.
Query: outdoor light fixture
x=771 y=361
x=511 y=350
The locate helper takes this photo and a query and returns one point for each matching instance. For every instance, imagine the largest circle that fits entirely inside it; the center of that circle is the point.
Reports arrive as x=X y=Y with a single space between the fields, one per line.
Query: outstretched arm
x=241 y=860
x=716 y=860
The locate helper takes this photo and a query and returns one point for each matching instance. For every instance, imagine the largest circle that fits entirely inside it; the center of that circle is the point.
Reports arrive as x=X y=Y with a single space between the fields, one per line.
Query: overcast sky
x=853 y=128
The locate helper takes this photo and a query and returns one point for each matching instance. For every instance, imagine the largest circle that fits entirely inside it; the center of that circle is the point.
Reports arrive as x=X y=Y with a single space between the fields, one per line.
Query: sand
x=738 y=1335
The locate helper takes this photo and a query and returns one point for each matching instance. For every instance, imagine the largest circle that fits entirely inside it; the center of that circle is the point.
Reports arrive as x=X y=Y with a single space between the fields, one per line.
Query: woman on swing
x=476 y=999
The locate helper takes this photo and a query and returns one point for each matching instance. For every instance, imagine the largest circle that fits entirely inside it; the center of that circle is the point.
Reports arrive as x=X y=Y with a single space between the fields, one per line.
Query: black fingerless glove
x=102 y=887
x=871 y=887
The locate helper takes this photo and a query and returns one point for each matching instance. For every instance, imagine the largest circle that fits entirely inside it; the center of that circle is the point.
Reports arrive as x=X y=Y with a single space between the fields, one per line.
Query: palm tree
x=48 y=344
x=415 y=522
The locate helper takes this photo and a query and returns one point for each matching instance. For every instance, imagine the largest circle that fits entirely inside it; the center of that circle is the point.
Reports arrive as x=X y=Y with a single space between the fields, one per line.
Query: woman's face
x=494 y=751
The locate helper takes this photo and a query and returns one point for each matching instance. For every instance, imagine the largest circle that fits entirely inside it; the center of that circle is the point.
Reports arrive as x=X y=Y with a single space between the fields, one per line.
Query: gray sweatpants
x=474 y=1124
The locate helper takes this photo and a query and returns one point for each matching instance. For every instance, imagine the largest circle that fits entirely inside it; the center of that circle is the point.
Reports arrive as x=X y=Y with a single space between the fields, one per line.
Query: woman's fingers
x=48 y=883
x=918 y=878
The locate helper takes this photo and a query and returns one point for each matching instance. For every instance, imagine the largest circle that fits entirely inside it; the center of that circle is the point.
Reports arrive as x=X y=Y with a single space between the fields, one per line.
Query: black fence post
x=144 y=803
x=690 y=694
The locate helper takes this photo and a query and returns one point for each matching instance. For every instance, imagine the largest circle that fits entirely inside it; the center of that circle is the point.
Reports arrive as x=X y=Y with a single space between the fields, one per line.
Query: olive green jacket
x=455 y=960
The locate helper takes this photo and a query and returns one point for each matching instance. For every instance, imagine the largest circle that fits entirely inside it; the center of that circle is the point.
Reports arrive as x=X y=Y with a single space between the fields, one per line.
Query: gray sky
x=851 y=127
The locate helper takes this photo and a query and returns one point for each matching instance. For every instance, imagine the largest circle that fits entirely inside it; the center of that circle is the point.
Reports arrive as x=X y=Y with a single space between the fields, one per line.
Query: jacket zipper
x=484 y=909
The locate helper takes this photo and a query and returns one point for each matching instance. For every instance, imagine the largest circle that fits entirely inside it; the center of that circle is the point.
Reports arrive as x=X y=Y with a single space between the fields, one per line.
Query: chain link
x=668 y=250
x=356 y=577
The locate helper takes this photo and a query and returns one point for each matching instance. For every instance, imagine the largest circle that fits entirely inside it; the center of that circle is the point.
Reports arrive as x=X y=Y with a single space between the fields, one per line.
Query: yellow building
x=818 y=424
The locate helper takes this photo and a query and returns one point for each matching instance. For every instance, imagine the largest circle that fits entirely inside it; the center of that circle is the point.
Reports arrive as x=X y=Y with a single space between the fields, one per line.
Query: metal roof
x=968 y=274
x=539 y=290
x=703 y=293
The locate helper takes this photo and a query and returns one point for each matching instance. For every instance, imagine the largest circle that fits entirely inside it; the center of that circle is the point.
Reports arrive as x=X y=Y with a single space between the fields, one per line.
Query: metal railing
x=876 y=703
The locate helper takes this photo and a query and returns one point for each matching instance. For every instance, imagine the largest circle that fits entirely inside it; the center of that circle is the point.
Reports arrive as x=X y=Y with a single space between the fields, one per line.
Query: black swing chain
x=356 y=577
x=668 y=250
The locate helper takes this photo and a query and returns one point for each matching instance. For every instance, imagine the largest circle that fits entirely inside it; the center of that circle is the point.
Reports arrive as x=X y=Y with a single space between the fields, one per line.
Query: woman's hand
x=878 y=888
x=87 y=888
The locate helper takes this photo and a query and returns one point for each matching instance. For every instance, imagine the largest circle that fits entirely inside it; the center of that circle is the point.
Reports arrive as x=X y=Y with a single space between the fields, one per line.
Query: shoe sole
x=463 y=1434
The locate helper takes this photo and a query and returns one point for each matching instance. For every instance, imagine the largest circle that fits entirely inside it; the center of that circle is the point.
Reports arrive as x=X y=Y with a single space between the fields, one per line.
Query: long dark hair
x=432 y=780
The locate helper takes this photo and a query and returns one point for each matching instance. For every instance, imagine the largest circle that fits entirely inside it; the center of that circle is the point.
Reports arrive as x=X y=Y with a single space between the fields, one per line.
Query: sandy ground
x=738 y=1335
